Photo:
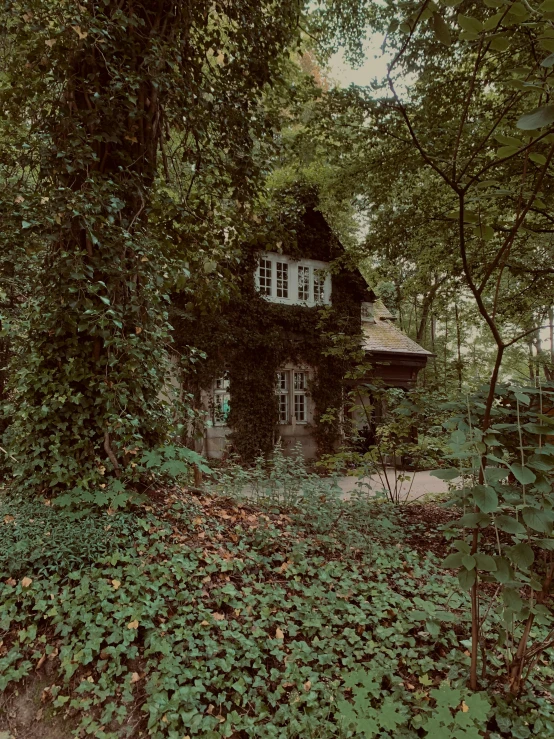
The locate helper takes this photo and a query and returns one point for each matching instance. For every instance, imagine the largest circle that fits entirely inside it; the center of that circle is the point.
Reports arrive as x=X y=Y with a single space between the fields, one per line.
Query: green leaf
x=26 y=224
x=448 y=474
x=442 y=32
x=470 y=24
x=485 y=562
x=495 y=474
x=548 y=62
x=512 y=599
x=547 y=544
x=506 y=151
x=484 y=232
x=522 y=555
x=509 y=525
x=468 y=562
x=486 y=498
x=433 y=627
x=538 y=520
x=500 y=43
x=466 y=578
x=523 y=474
x=503 y=571
x=539 y=118
x=472 y=520
x=453 y=560
x=537 y=158
x=547 y=6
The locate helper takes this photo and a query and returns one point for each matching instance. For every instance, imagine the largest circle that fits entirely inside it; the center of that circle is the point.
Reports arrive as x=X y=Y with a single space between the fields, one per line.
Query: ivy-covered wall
x=251 y=338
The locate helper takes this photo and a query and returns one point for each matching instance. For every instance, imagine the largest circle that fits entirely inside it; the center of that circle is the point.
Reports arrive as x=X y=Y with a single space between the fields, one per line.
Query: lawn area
x=202 y=615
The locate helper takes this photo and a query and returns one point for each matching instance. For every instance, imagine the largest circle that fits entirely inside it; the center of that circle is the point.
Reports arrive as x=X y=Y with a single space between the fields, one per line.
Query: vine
x=251 y=338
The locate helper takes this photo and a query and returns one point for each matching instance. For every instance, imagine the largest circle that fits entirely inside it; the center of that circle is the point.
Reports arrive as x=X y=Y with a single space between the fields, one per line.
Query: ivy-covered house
x=280 y=357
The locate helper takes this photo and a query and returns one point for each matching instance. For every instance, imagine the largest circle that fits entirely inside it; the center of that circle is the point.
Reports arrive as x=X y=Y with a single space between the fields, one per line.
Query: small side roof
x=382 y=336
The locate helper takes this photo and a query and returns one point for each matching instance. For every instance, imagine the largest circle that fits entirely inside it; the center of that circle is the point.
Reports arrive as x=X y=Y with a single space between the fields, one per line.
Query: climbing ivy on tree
x=103 y=97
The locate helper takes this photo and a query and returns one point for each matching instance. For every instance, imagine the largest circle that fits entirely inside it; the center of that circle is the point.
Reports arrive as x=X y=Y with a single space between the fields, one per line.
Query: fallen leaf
x=133 y=624
x=19 y=199
x=26 y=582
x=11 y=581
x=210 y=709
x=81 y=34
x=90 y=679
x=53 y=654
x=279 y=634
x=138 y=329
x=9 y=519
x=41 y=661
x=38 y=715
x=197 y=520
x=116 y=584
x=307 y=685
x=204 y=623
x=465 y=707
x=219 y=617
x=135 y=677
x=50 y=42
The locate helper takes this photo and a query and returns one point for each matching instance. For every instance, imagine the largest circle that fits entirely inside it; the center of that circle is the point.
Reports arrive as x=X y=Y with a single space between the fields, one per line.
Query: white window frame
x=220 y=395
x=289 y=392
x=314 y=268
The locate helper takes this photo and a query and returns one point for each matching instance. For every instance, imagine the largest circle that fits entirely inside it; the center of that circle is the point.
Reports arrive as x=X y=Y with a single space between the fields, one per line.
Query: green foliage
x=93 y=98
x=209 y=616
x=508 y=496
x=251 y=338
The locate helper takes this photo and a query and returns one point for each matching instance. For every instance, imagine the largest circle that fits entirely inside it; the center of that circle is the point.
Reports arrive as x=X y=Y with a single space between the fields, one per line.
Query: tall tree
x=98 y=92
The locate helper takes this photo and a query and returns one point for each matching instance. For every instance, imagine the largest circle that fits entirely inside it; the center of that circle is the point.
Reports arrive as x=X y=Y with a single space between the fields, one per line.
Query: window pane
x=300 y=381
x=319 y=285
x=300 y=407
x=303 y=283
x=222 y=383
x=283 y=408
x=282 y=280
x=282 y=380
x=265 y=276
x=222 y=406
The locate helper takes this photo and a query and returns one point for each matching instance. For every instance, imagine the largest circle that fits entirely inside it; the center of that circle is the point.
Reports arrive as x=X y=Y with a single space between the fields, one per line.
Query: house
x=278 y=356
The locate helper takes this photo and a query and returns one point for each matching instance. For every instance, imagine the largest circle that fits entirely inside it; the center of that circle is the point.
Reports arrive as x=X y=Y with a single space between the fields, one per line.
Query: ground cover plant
x=212 y=616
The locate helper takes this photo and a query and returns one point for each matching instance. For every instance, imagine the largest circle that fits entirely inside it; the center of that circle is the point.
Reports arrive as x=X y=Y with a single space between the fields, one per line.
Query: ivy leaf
x=538 y=118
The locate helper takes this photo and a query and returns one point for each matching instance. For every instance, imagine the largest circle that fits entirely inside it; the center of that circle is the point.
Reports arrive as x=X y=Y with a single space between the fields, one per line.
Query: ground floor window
x=221 y=404
x=292 y=391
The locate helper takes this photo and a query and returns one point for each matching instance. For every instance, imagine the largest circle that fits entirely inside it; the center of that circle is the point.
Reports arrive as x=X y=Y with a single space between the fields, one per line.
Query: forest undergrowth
x=210 y=615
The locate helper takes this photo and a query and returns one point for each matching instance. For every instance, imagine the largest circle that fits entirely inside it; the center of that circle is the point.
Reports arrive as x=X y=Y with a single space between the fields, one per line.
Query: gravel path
x=409 y=485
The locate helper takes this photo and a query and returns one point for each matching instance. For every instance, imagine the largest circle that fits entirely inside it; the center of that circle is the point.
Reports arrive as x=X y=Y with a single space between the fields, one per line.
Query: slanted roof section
x=384 y=337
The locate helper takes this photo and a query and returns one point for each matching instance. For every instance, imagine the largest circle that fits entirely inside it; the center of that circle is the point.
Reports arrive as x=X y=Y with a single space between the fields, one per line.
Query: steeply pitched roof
x=384 y=337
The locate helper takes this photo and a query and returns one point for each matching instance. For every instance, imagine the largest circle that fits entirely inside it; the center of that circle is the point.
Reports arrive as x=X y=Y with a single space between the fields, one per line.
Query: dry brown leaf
x=133 y=624
x=204 y=623
x=210 y=709
x=11 y=581
x=53 y=654
x=81 y=34
x=50 y=42
x=465 y=707
x=116 y=584
x=197 y=520
x=41 y=661
x=26 y=582
x=279 y=634
x=135 y=677
x=138 y=330
x=307 y=685
x=219 y=617
x=9 y=519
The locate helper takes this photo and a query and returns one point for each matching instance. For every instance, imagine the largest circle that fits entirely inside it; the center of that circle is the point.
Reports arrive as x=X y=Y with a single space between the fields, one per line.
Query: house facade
x=278 y=356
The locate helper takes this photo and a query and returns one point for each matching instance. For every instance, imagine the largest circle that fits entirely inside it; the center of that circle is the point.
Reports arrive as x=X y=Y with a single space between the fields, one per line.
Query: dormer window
x=302 y=282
